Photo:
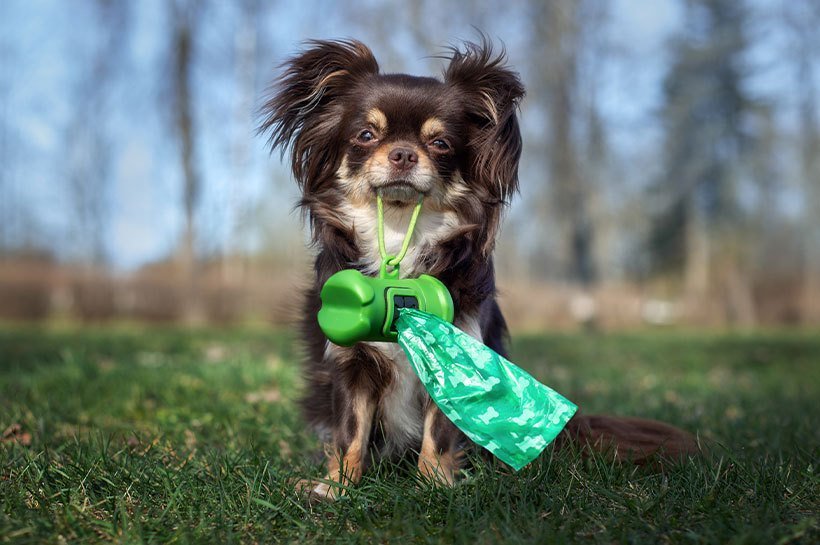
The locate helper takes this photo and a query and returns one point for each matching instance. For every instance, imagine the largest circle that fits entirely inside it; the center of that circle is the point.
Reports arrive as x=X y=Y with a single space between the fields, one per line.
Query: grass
x=173 y=436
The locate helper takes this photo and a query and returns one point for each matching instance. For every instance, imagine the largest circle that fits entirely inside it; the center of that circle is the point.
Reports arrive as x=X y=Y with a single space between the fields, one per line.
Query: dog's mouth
x=399 y=192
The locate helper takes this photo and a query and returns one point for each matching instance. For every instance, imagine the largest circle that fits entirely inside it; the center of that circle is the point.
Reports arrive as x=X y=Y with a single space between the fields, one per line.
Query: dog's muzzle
x=400 y=191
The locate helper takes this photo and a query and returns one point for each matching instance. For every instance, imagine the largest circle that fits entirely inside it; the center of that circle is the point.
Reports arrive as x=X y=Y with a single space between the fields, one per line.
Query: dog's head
x=355 y=132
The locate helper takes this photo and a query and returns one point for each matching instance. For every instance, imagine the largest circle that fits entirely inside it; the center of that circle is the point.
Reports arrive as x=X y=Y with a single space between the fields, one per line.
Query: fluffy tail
x=638 y=440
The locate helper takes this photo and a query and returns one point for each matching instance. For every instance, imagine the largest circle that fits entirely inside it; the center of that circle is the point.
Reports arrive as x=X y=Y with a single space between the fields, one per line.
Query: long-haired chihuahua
x=354 y=132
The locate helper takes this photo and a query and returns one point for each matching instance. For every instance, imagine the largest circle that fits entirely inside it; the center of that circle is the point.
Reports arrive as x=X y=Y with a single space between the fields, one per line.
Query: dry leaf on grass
x=272 y=395
x=15 y=434
x=215 y=353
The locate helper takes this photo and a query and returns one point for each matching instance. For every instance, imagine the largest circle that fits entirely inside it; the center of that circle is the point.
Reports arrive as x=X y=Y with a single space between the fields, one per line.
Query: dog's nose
x=403 y=158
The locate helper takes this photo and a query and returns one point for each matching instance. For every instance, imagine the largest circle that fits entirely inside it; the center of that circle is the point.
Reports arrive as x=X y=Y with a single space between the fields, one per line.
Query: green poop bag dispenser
x=360 y=308
x=357 y=308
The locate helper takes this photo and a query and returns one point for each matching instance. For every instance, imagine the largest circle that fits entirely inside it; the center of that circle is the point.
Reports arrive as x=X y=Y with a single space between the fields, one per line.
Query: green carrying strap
x=388 y=260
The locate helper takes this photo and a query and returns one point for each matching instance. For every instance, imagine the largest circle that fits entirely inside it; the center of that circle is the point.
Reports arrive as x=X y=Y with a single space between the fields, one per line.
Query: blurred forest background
x=671 y=172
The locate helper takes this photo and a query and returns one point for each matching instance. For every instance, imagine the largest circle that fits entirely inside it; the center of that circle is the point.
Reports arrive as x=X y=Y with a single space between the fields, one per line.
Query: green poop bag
x=494 y=402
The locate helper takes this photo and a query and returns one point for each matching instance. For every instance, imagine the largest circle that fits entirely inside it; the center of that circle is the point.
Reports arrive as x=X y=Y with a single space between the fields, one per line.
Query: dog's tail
x=637 y=440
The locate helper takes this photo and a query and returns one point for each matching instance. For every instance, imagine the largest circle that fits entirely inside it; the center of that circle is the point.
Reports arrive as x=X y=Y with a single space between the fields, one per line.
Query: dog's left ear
x=491 y=93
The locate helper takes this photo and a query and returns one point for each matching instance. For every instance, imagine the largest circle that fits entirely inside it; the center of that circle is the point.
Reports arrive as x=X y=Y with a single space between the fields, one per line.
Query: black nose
x=403 y=158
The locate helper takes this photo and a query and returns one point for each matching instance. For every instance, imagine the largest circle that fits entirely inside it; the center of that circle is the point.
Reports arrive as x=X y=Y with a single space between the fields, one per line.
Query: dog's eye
x=440 y=144
x=366 y=137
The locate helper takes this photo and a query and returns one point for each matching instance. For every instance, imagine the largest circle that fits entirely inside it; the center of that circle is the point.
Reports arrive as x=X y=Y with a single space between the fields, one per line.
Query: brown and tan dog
x=353 y=131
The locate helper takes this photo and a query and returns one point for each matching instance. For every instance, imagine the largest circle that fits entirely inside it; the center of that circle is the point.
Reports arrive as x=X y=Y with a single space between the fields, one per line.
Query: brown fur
x=341 y=118
x=637 y=440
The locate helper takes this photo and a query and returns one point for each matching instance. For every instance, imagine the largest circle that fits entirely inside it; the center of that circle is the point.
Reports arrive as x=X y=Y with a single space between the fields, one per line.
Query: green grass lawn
x=166 y=435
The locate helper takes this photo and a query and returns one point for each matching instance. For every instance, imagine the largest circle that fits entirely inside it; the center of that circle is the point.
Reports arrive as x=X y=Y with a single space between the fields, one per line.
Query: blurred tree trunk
x=245 y=54
x=558 y=35
x=706 y=144
x=7 y=196
x=596 y=53
x=698 y=262
x=89 y=142
x=90 y=151
x=184 y=17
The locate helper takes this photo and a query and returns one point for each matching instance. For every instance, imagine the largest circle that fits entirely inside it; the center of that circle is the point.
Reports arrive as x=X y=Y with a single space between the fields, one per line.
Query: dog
x=353 y=132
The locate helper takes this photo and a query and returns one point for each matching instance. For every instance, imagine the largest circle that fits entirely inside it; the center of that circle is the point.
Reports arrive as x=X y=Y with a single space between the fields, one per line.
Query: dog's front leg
x=441 y=454
x=346 y=454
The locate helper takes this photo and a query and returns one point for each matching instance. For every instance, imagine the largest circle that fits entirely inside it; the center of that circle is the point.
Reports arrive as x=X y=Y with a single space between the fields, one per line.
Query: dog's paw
x=436 y=475
x=315 y=490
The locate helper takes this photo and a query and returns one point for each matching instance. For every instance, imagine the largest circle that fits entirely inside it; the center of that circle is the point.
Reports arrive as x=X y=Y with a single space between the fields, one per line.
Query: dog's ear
x=491 y=93
x=304 y=111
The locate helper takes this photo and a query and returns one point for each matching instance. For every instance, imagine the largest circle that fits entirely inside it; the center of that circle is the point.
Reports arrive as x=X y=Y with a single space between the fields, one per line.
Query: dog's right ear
x=305 y=110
